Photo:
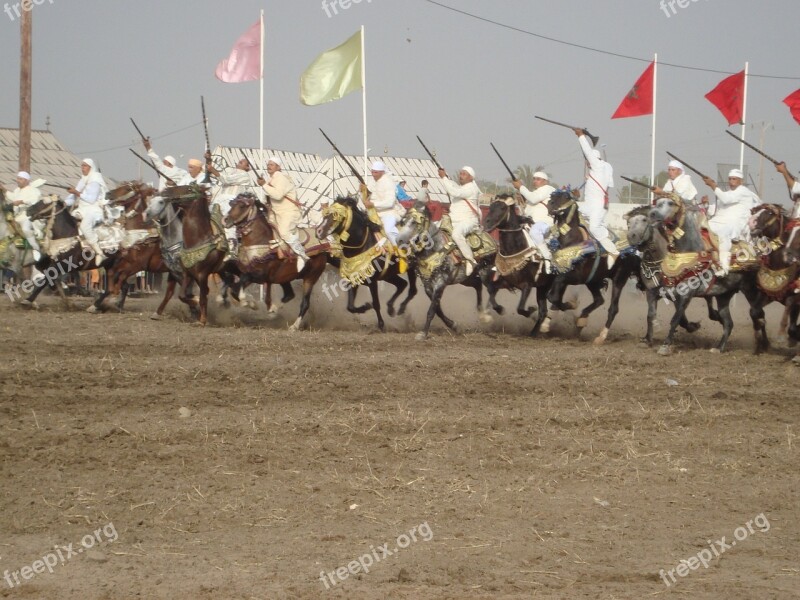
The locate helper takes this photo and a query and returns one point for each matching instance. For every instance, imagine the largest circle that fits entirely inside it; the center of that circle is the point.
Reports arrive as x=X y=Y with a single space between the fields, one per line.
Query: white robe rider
x=731 y=217
x=22 y=198
x=464 y=212
x=596 y=194
x=89 y=206
x=382 y=194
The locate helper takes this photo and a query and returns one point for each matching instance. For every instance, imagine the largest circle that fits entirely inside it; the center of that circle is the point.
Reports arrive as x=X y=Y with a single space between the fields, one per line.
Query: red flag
x=639 y=100
x=793 y=102
x=244 y=62
x=728 y=97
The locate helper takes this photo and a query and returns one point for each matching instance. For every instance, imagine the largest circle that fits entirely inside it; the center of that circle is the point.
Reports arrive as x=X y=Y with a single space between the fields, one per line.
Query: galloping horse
x=62 y=250
x=16 y=255
x=438 y=266
x=580 y=260
x=688 y=268
x=654 y=248
x=260 y=259
x=363 y=261
x=205 y=248
x=516 y=262
x=779 y=275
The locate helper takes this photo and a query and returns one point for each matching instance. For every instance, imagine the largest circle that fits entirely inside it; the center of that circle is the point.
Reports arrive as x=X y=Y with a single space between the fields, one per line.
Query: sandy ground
x=245 y=461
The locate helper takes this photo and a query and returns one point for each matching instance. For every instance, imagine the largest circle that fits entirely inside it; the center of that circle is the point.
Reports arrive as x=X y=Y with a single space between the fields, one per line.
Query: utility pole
x=25 y=65
x=764 y=128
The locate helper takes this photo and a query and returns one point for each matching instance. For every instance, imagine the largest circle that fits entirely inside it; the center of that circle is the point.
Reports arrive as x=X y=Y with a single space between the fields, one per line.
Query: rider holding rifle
x=464 y=215
x=382 y=195
x=679 y=182
x=21 y=198
x=536 y=208
x=598 y=182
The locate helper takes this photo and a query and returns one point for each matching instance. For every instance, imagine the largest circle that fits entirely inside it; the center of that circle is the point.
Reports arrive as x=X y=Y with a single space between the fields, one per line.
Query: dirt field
x=242 y=461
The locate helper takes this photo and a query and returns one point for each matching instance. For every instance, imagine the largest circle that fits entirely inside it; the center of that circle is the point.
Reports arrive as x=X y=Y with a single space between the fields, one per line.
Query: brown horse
x=260 y=258
x=141 y=250
x=779 y=275
x=205 y=249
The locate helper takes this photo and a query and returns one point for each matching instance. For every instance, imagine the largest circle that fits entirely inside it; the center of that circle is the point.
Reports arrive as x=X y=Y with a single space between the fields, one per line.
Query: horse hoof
x=93 y=310
x=782 y=339
x=715 y=351
x=220 y=300
x=485 y=317
x=581 y=322
x=390 y=311
x=155 y=316
x=796 y=360
x=499 y=310
x=296 y=325
x=545 y=328
x=692 y=327
x=28 y=304
x=421 y=336
x=665 y=350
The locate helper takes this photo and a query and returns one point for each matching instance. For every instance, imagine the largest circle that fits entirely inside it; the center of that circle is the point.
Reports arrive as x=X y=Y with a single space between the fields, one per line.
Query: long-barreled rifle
x=152 y=166
x=207 y=178
x=758 y=151
x=139 y=131
x=353 y=170
x=433 y=158
x=652 y=188
x=505 y=164
x=594 y=138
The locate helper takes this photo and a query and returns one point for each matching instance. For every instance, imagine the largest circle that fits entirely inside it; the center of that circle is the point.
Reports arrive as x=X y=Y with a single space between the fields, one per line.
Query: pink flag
x=244 y=62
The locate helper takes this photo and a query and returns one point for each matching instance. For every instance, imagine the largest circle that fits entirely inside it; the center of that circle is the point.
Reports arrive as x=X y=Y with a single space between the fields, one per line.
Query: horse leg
x=757 y=301
x=597 y=301
x=412 y=291
x=351 y=302
x=713 y=315
x=522 y=309
x=617 y=285
x=288 y=292
x=400 y=284
x=681 y=302
x=784 y=324
x=435 y=295
x=556 y=295
x=541 y=300
x=723 y=306
x=651 y=295
x=171 y=283
x=202 y=282
x=376 y=302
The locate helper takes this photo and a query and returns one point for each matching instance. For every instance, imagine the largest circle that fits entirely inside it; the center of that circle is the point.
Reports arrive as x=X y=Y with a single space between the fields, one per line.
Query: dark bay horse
x=62 y=251
x=580 y=260
x=688 y=269
x=362 y=260
x=778 y=278
x=258 y=258
x=517 y=264
x=205 y=248
x=438 y=267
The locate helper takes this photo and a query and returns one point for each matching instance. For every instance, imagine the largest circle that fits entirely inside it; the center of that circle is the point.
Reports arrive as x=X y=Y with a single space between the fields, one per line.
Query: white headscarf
x=93 y=176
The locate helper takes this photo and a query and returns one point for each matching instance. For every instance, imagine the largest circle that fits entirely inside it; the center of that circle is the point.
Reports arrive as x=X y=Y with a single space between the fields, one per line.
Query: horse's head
x=767 y=220
x=183 y=196
x=639 y=229
x=128 y=192
x=414 y=228
x=562 y=206
x=337 y=216
x=243 y=209
x=154 y=208
x=502 y=211
x=667 y=209
x=44 y=208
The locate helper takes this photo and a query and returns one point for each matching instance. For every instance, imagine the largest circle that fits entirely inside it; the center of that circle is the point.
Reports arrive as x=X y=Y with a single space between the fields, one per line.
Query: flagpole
x=653 y=136
x=261 y=102
x=364 y=99
x=744 y=118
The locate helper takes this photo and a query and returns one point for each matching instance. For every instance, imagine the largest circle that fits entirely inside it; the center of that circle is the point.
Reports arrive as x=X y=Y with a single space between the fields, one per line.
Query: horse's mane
x=358 y=215
x=639 y=211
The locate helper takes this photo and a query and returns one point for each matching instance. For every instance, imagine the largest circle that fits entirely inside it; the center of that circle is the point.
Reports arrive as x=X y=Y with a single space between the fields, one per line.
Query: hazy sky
x=456 y=81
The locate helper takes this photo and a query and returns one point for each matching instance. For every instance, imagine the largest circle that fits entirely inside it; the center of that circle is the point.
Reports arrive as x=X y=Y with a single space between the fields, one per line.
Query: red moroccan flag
x=639 y=100
x=728 y=97
x=793 y=102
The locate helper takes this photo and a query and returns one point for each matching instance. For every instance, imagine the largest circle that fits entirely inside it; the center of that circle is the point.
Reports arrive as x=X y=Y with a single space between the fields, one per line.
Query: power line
x=158 y=137
x=598 y=50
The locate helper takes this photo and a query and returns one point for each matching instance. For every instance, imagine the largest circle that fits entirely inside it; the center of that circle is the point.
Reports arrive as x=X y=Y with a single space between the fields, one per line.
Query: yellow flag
x=333 y=74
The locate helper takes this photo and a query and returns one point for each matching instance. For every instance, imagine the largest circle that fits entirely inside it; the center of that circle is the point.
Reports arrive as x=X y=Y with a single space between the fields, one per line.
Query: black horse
x=362 y=260
x=516 y=262
x=580 y=260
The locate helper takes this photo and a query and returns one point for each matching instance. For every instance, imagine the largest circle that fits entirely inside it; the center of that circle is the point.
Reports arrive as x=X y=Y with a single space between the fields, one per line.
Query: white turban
x=276 y=160
x=674 y=164
x=24 y=175
x=736 y=173
x=378 y=166
x=90 y=162
x=170 y=159
x=541 y=175
x=469 y=170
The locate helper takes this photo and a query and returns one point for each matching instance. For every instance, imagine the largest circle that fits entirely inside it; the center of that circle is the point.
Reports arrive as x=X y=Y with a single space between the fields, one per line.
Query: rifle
x=139 y=131
x=252 y=168
x=344 y=158
x=151 y=165
x=510 y=172
x=594 y=138
x=687 y=165
x=433 y=158
x=649 y=187
x=207 y=178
